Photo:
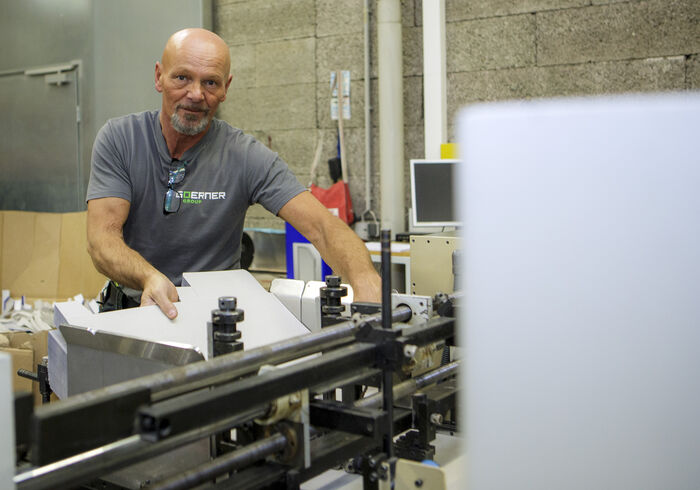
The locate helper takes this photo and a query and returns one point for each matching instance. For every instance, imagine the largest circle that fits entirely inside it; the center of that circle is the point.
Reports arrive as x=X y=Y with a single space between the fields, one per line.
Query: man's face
x=193 y=78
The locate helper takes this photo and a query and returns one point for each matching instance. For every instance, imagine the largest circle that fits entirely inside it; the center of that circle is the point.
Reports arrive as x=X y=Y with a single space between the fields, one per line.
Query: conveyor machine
x=267 y=417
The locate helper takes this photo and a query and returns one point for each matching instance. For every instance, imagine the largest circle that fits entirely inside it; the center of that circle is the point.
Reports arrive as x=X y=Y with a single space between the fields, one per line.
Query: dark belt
x=113 y=298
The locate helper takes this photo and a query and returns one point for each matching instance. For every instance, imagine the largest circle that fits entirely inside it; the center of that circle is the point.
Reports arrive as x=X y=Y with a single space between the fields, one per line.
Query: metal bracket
x=334 y=415
x=421 y=307
x=54 y=74
x=414 y=475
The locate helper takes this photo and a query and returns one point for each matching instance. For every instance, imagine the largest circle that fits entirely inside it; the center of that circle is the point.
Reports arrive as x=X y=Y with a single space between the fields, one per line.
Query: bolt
x=227 y=303
x=436 y=418
x=294 y=398
x=409 y=351
x=373 y=476
x=333 y=281
x=419 y=483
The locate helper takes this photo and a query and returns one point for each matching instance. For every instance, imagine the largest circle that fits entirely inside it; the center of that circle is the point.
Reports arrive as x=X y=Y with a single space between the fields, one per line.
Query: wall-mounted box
x=431 y=263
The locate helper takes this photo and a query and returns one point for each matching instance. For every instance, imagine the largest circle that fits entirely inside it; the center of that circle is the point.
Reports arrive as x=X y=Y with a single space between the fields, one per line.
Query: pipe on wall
x=368 y=121
x=391 y=134
x=434 y=77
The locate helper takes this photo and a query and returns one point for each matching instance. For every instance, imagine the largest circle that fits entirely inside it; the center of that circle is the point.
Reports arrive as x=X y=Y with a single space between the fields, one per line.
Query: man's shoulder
x=236 y=139
x=135 y=119
x=225 y=130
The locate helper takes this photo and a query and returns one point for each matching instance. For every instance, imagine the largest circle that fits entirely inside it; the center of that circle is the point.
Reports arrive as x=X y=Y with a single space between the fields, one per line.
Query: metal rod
x=368 y=122
x=185 y=378
x=183 y=413
x=387 y=371
x=386 y=278
x=302 y=345
x=228 y=462
x=388 y=403
x=412 y=385
x=107 y=459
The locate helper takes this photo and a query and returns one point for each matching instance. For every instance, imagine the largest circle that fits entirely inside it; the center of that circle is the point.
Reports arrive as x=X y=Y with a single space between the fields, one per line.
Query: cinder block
x=257 y=211
x=295 y=146
x=693 y=72
x=409 y=9
x=606 y=2
x=414 y=142
x=335 y=17
x=272 y=107
x=658 y=74
x=262 y=21
x=270 y=221
x=502 y=42
x=618 y=31
x=413 y=110
x=357 y=104
x=412 y=51
x=340 y=53
x=285 y=62
x=456 y=10
x=243 y=65
x=649 y=75
x=221 y=3
x=304 y=178
x=354 y=140
x=414 y=147
x=413 y=101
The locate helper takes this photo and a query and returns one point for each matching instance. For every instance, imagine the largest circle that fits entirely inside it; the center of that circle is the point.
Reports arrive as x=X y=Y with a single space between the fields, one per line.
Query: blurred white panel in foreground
x=582 y=272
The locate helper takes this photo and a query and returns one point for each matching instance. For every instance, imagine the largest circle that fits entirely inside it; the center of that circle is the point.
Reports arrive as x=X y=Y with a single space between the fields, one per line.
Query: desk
x=400 y=254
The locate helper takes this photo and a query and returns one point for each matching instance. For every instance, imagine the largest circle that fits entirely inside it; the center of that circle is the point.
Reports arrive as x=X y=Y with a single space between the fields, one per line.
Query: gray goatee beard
x=188 y=127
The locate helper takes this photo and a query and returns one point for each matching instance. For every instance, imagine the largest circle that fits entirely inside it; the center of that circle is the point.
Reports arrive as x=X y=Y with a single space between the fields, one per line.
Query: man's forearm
x=347 y=254
x=113 y=258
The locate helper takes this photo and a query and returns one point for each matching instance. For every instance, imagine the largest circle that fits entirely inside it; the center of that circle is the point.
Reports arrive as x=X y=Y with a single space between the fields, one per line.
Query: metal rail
x=120 y=454
x=228 y=462
x=412 y=385
x=261 y=449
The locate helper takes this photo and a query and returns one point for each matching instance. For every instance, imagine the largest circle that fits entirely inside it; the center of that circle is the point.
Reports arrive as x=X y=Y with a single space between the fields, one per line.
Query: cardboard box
x=26 y=350
x=44 y=255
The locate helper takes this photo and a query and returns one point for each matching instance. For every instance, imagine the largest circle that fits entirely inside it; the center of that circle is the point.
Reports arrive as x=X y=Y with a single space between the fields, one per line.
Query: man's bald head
x=193 y=76
x=198 y=39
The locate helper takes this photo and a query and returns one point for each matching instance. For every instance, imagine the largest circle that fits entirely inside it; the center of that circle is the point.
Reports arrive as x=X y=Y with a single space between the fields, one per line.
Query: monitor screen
x=431 y=192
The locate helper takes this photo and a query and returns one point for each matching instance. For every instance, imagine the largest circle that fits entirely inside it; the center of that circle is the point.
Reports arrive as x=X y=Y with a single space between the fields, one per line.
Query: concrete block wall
x=283 y=51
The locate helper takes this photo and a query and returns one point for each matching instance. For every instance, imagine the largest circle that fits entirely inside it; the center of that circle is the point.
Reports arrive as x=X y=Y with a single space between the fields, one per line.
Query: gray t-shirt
x=226 y=172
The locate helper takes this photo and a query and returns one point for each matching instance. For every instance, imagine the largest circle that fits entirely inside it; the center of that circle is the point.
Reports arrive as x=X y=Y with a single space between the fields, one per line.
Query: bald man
x=169 y=189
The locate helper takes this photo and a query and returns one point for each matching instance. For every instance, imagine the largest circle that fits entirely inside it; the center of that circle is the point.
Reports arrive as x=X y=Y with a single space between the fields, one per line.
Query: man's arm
x=339 y=246
x=113 y=258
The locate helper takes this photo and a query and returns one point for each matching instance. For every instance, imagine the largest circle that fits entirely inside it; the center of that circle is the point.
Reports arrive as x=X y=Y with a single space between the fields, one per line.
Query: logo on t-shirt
x=197 y=197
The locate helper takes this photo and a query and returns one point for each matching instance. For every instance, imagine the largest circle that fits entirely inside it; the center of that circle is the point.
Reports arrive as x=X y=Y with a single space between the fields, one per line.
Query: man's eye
x=210 y=83
x=182 y=78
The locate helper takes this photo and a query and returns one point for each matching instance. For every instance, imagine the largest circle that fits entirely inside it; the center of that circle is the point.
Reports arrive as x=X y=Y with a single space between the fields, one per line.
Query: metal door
x=40 y=139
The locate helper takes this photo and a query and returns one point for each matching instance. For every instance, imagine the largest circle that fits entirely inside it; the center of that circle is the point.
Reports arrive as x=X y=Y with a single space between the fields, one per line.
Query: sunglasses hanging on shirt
x=173 y=198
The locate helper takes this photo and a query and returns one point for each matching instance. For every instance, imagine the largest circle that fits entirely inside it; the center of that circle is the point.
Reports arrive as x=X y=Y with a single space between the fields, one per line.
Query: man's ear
x=226 y=86
x=158 y=77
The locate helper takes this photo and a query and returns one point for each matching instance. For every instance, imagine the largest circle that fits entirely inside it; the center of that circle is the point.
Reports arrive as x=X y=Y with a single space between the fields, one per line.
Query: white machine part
x=582 y=268
x=293 y=292
x=7 y=415
x=266 y=321
x=289 y=292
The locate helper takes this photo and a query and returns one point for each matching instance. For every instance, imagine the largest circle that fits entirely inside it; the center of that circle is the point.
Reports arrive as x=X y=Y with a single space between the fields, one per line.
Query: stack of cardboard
x=42 y=256
x=26 y=350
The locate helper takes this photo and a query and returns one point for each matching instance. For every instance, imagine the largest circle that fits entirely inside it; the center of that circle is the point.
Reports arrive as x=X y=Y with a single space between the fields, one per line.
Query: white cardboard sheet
x=266 y=319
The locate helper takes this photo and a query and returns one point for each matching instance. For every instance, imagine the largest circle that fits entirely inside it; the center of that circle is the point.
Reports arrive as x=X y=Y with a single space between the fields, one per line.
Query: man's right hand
x=158 y=290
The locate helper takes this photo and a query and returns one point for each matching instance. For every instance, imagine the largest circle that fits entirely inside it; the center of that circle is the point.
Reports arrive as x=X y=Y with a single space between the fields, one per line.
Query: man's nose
x=195 y=93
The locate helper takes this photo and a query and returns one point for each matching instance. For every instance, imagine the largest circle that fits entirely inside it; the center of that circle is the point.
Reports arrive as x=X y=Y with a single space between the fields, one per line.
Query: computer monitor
x=432 y=183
